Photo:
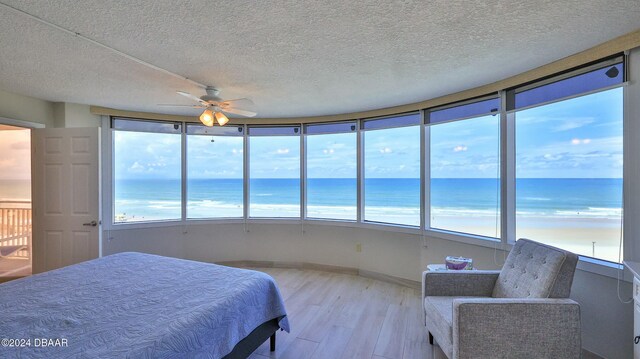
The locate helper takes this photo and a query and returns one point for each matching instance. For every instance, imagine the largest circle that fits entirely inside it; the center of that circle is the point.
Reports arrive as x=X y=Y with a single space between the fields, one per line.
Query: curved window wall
x=542 y=161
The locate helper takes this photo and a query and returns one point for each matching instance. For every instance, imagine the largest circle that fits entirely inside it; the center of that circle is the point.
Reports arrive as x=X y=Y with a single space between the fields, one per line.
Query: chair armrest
x=466 y=283
x=516 y=328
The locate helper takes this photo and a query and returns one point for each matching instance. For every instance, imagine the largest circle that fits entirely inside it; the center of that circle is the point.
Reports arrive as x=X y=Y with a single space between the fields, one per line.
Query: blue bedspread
x=133 y=305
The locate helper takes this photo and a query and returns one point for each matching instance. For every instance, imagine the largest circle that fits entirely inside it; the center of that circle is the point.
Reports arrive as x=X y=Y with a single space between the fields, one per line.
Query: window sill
x=467 y=238
x=604 y=268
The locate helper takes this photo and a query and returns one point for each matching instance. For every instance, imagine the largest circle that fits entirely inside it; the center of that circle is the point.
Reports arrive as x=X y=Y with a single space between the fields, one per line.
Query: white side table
x=441 y=267
x=436 y=267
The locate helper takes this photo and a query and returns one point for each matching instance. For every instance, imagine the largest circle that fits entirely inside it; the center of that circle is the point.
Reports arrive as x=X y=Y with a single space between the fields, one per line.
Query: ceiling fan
x=215 y=107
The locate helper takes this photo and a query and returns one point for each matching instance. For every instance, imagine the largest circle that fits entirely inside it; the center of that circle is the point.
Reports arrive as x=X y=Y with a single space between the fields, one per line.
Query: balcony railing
x=15 y=229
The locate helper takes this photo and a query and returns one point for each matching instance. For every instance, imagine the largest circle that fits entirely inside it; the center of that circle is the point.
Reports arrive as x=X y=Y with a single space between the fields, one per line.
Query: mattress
x=133 y=305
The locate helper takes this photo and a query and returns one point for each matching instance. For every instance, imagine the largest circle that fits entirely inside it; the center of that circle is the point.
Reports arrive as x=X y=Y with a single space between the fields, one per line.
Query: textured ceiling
x=292 y=58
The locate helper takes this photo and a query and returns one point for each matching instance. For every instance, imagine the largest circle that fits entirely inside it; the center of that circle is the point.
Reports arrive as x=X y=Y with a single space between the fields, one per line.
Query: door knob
x=90 y=224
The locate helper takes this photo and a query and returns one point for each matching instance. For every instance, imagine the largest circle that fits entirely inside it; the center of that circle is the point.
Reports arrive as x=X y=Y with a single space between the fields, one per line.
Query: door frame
x=30 y=126
x=21 y=123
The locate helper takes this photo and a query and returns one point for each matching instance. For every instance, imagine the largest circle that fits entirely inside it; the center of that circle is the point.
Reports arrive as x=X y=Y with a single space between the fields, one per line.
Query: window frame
x=304 y=180
x=220 y=132
x=361 y=173
x=427 y=169
x=298 y=131
x=111 y=159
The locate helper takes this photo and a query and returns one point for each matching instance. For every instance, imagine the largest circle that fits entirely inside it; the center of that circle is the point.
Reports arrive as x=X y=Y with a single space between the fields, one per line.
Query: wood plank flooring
x=334 y=315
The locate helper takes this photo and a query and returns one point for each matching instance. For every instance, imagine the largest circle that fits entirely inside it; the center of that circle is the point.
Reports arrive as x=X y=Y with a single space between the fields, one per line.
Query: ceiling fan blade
x=239 y=103
x=176 y=105
x=188 y=95
x=236 y=111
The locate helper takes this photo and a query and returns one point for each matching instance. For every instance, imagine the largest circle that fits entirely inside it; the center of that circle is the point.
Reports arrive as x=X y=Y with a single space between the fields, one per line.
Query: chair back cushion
x=536 y=270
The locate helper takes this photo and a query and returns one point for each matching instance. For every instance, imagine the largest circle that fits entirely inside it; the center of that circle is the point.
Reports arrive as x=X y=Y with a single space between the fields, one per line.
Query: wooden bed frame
x=251 y=342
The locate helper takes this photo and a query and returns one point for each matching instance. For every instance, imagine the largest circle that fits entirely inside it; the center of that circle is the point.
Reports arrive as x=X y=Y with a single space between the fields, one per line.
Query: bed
x=140 y=306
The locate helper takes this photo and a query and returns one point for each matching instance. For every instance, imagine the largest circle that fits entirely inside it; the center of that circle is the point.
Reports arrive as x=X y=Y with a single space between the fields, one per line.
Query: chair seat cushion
x=439 y=311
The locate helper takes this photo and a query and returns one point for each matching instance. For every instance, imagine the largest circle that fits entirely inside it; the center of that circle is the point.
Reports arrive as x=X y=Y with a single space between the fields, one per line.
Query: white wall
x=50 y=114
x=25 y=108
x=397 y=254
x=70 y=115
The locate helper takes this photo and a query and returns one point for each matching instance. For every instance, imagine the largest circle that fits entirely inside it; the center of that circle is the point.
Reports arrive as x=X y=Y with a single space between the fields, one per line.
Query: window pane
x=464 y=111
x=336 y=127
x=214 y=172
x=332 y=176
x=147 y=176
x=590 y=81
x=465 y=176
x=197 y=129
x=392 y=175
x=146 y=126
x=274 y=172
x=569 y=174
x=390 y=122
x=273 y=131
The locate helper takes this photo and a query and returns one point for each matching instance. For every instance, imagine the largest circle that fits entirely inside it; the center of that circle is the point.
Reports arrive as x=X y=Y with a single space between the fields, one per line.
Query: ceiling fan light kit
x=221 y=118
x=207 y=118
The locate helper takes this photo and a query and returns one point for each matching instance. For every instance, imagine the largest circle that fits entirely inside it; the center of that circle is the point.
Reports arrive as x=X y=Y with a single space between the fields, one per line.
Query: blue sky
x=577 y=138
x=15 y=154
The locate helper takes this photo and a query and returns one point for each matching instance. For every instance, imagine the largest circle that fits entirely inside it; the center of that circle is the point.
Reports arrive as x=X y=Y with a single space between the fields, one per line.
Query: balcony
x=15 y=238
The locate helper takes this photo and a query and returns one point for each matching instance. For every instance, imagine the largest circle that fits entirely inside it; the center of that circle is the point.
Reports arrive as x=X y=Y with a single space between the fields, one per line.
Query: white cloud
x=5 y=163
x=137 y=167
x=551 y=157
x=386 y=150
x=328 y=151
x=573 y=123
x=577 y=141
x=459 y=148
x=282 y=151
x=22 y=145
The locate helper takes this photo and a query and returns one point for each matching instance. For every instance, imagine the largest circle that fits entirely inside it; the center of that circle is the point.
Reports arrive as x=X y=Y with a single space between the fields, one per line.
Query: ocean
x=555 y=197
x=15 y=190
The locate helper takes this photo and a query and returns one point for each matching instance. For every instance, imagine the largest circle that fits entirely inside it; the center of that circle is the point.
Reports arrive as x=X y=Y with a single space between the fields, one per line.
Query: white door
x=65 y=184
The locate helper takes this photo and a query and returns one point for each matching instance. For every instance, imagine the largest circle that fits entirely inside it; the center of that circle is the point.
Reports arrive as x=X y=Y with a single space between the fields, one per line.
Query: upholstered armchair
x=522 y=311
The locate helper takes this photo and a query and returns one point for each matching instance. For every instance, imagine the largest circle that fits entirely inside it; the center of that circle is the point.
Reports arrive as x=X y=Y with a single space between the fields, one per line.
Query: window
x=215 y=166
x=332 y=181
x=146 y=171
x=465 y=168
x=392 y=170
x=274 y=171
x=569 y=169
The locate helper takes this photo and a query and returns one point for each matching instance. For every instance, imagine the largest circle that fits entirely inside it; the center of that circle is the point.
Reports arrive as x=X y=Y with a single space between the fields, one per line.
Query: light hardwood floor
x=335 y=315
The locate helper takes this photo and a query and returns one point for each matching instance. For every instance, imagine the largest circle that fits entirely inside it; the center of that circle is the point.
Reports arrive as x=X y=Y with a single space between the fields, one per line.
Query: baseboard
x=391 y=279
x=589 y=355
x=325 y=268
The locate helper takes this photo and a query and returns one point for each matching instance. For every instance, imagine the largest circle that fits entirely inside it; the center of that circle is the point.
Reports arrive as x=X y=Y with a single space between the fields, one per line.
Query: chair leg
x=430 y=338
x=272 y=343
